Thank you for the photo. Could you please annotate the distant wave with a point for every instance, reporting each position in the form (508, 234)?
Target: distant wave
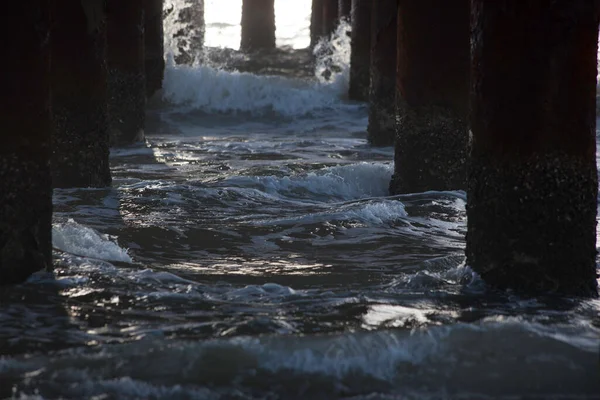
(212, 90)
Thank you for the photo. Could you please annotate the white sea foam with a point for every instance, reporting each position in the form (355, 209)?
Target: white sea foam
(209, 89)
(81, 240)
(333, 58)
(345, 182)
(375, 213)
(380, 213)
(268, 290)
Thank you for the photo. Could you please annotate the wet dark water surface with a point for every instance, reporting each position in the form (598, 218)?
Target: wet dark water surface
(250, 250)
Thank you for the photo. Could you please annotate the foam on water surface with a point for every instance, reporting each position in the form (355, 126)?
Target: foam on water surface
(81, 240)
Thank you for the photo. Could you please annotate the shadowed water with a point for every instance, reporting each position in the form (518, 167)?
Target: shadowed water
(250, 250)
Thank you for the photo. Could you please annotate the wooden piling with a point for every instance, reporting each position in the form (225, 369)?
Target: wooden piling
(25, 187)
(344, 9)
(432, 95)
(79, 94)
(360, 59)
(532, 194)
(330, 17)
(381, 130)
(258, 25)
(154, 46)
(126, 71)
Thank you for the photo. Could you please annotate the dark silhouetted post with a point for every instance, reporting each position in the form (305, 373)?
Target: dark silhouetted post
(532, 193)
(361, 50)
(382, 96)
(432, 95)
(330, 17)
(79, 94)
(344, 9)
(154, 48)
(316, 22)
(25, 190)
(126, 75)
(258, 25)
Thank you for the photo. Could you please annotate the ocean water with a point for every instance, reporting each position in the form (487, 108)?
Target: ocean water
(250, 250)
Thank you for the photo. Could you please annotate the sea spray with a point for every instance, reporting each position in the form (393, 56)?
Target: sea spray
(214, 90)
(184, 28)
(209, 84)
(333, 58)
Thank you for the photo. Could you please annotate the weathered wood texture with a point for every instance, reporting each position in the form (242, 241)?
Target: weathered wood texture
(25, 188)
(432, 95)
(330, 16)
(79, 94)
(381, 130)
(154, 46)
(532, 194)
(344, 9)
(361, 50)
(126, 71)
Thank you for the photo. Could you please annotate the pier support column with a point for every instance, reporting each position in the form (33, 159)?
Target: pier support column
(316, 22)
(361, 50)
(344, 9)
(382, 95)
(330, 17)
(79, 94)
(532, 194)
(25, 189)
(258, 25)
(432, 96)
(126, 71)
(154, 46)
